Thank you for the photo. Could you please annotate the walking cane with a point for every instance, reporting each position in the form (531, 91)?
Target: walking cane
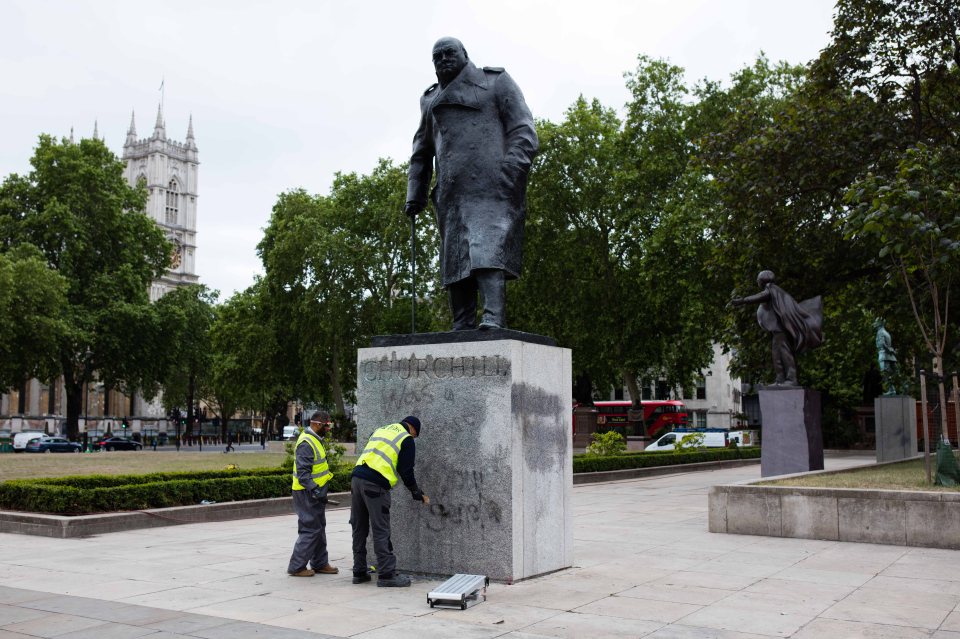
(413, 274)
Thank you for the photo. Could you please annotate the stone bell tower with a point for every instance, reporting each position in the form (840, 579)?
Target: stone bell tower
(169, 171)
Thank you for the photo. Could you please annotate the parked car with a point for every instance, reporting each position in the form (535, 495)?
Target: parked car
(20, 439)
(118, 443)
(46, 444)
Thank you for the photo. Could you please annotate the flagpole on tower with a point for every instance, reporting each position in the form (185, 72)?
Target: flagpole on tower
(162, 82)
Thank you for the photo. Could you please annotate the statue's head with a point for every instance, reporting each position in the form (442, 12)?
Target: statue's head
(766, 277)
(449, 58)
(879, 323)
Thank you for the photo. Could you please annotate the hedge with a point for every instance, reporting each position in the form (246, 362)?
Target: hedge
(105, 493)
(111, 493)
(593, 463)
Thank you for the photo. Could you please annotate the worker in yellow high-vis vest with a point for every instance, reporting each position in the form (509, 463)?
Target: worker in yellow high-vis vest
(389, 456)
(311, 476)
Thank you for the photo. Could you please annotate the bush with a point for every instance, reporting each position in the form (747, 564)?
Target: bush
(608, 443)
(690, 441)
(593, 463)
(104, 493)
(333, 449)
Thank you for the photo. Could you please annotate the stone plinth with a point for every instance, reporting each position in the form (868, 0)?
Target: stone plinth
(495, 454)
(896, 427)
(792, 438)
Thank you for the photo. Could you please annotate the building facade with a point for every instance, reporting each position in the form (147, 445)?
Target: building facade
(715, 401)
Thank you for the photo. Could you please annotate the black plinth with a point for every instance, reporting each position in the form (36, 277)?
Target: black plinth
(792, 441)
(453, 337)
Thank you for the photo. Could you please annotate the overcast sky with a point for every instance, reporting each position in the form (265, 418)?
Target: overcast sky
(284, 94)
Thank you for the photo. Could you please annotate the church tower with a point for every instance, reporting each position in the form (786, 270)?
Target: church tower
(169, 171)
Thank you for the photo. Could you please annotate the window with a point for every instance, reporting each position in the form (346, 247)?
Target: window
(702, 388)
(663, 391)
(701, 419)
(173, 202)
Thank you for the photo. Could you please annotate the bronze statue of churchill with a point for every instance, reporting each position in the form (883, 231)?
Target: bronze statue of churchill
(476, 127)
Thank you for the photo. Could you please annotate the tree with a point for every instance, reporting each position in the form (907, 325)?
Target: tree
(576, 283)
(915, 216)
(338, 272)
(186, 316)
(614, 248)
(783, 153)
(247, 365)
(76, 207)
(312, 294)
(904, 55)
(32, 297)
(785, 157)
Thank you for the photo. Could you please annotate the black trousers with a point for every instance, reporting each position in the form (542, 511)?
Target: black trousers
(370, 510)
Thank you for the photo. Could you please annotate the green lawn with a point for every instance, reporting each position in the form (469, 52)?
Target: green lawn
(908, 475)
(31, 465)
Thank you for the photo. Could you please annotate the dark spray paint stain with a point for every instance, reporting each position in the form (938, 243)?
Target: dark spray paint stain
(544, 435)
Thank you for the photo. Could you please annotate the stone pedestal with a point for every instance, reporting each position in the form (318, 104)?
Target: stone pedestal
(896, 427)
(792, 438)
(495, 454)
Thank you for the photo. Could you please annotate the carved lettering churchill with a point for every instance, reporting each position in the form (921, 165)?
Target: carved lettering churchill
(429, 367)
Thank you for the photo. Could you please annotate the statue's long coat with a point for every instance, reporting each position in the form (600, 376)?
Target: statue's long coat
(802, 322)
(482, 135)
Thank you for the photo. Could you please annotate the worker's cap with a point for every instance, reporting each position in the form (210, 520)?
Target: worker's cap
(412, 421)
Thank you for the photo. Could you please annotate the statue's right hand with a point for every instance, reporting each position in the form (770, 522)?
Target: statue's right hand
(412, 208)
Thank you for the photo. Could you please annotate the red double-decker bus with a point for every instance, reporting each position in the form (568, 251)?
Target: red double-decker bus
(658, 416)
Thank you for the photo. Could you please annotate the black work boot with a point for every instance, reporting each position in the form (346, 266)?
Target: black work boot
(393, 581)
(361, 577)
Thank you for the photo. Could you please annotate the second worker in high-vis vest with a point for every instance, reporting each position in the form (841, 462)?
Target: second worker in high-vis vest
(311, 475)
(389, 456)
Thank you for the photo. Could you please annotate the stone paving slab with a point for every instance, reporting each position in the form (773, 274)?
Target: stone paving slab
(645, 566)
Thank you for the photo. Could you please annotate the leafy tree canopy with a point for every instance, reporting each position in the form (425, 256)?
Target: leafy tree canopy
(76, 207)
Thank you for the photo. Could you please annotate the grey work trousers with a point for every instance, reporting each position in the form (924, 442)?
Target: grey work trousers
(311, 546)
(370, 509)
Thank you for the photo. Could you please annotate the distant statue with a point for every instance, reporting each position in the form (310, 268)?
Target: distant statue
(795, 328)
(886, 358)
(476, 128)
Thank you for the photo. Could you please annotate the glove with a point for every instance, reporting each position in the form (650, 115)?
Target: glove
(417, 495)
(317, 494)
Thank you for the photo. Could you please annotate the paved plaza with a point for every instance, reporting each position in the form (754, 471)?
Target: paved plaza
(645, 566)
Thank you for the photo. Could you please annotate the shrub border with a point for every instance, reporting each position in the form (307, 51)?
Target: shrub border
(89, 494)
(593, 464)
(109, 494)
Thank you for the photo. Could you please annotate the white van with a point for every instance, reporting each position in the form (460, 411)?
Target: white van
(711, 439)
(290, 432)
(20, 439)
(743, 437)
